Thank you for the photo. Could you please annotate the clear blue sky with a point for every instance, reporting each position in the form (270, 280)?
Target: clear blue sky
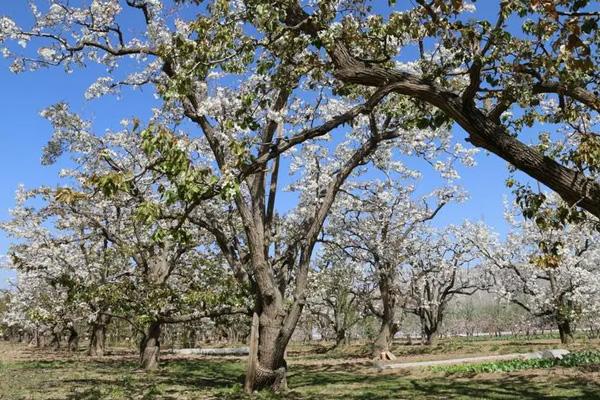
(23, 133)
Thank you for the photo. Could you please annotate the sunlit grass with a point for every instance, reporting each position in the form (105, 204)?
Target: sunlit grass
(117, 377)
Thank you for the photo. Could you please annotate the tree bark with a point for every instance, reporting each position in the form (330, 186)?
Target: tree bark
(35, 339)
(73, 342)
(429, 328)
(428, 337)
(271, 370)
(190, 338)
(55, 343)
(384, 338)
(341, 338)
(566, 332)
(388, 328)
(97, 345)
(252, 356)
(150, 347)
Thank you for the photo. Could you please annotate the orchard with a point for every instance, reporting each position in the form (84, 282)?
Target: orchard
(252, 198)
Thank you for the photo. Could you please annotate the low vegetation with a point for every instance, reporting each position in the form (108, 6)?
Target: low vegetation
(27, 373)
(577, 359)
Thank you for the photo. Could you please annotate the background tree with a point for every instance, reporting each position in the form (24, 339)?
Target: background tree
(545, 267)
(336, 287)
(375, 228)
(439, 269)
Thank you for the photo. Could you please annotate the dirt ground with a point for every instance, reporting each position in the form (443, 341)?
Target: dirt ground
(29, 373)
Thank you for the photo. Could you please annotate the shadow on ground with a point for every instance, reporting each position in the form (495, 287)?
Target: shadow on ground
(213, 378)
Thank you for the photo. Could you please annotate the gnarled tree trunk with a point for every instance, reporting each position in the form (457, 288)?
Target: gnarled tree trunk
(97, 345)
(429, 326)
(428, 336)
(385, 337)
(150, 347)
(271, 369)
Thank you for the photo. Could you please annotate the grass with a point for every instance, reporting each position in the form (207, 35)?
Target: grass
(28, 374)
(576, 359)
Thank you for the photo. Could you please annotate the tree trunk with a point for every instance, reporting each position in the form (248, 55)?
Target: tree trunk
(428, 331)
(97, 345)
(252, 356)
(55, 343)
(341, 338)
(73, 342)
(150, 347)
(388, 329)
(35, 339)
(271, 368)
(566, 333)
(428, 338)
(384, 338)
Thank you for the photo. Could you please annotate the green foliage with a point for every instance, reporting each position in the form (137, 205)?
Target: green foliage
(68, 195)
(189, 183)
(546, 216)
(577, 359)
(112, 183)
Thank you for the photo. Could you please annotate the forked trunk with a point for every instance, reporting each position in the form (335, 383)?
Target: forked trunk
(97, 345)
(150, 347)
(428, 331)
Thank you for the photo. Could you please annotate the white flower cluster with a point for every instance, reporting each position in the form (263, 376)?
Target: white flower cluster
(104, 12)
(103, 85)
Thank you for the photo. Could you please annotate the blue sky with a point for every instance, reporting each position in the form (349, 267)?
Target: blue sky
(23, 133)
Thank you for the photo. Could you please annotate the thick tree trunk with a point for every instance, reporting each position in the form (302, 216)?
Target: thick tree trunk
(73, 342)
(428, 332)
(566, 333)
(271, 368)
(150, 347)
(384, 338)
(428, 338)
(97, 345)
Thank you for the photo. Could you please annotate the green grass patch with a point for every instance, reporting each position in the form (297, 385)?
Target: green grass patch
(577, 359)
